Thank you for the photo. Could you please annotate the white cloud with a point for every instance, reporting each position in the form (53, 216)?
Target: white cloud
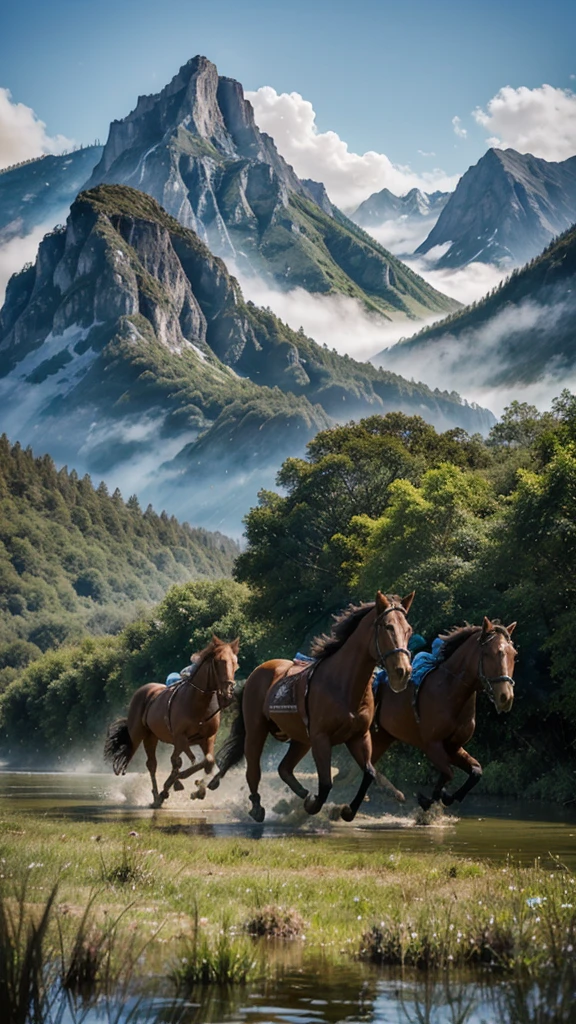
(18, 251)
(22, 134)
(403, 234)
(467, 284)
(338, 321)
(349, 177)
(540, 121)
(423, 152)
(458, 129)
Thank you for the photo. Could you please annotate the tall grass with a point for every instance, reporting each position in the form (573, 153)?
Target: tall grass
(224, 960)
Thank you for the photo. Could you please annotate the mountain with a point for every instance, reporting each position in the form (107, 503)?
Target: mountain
(195, 147)
(75, 559)
(384, 205)
(39, 192)
(128, 350)
(505, 210)
(520, 332)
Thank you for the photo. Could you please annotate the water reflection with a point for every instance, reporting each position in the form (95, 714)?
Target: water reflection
(484, 829)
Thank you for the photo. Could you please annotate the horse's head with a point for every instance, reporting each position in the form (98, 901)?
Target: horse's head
(224, 664)
(392, 632)
(496, 663)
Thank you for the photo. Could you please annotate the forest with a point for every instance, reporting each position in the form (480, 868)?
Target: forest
(476, 526)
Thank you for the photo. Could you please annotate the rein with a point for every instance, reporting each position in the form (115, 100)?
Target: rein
(395, 650)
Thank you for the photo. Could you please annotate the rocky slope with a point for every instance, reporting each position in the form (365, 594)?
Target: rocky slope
(196, 148)
(523, 331)
(39, 192)
(414, 206)
(505, 210)
(128, 346)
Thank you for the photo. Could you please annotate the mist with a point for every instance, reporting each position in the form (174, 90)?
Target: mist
(472, 362)
(18, 251)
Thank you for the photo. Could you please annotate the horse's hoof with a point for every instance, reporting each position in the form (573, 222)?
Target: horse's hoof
(156, 803)
(257, 813)
(347, 814)
(424, 801)
(447, 798)
(214, 784)
(399, 796)
(178, 786)
(312, 804)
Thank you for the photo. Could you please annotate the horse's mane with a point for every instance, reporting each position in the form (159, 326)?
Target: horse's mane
(344, 625)
(455, 637)
(199, 656)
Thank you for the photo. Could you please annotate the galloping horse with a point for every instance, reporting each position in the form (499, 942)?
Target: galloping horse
(441, 717)
(324, 704)
(184, 714)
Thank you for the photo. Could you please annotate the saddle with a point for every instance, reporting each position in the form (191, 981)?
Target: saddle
(289, 694)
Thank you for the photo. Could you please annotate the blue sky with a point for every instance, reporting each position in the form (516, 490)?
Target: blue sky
(384, 76)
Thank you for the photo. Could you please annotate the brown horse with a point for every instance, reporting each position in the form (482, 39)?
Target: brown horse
(327, 703)
(442, 717)
(183, 714)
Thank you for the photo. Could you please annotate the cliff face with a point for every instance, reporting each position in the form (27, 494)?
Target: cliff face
(196, 148)
(129, 340)
(505, 210)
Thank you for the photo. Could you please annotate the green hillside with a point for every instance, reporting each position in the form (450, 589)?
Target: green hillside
(75, 559)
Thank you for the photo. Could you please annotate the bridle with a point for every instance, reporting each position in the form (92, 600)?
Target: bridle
(220, 691)
(395, 650)
(187, 680)
(489, 681)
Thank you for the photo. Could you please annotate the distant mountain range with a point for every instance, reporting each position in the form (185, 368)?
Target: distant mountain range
(505, 210)
(522, 331)
(384, 205)
(39, 192)
(128, 350)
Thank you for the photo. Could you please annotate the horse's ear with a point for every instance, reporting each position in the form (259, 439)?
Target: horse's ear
(510, 629)
(407, 601)
(382, 601)
(487, 626)
(235, 645)
(216, 640)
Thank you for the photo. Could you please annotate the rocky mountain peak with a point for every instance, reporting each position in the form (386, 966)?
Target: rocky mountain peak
(505, 210)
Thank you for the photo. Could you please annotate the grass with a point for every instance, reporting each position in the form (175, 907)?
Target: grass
(384, 906)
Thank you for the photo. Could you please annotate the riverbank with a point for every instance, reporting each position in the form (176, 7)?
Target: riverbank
(165, 884)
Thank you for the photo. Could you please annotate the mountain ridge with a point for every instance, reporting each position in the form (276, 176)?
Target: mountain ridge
(505, 209)
(538, 335)
(129, 336)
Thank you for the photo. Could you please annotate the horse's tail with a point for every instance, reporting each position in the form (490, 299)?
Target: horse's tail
(232, 750)
(118, 748)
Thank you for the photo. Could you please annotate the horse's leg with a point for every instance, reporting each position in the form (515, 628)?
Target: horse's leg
(176, 762)
(361, 749)
(438, 755)
(322, 753)
(253, 747)
(381, 741)
(207, 745)
(150, 744)
(296, 751)
(462, 759)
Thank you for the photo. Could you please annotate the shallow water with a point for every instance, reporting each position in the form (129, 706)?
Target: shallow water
(320, 993)
(487, 829)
